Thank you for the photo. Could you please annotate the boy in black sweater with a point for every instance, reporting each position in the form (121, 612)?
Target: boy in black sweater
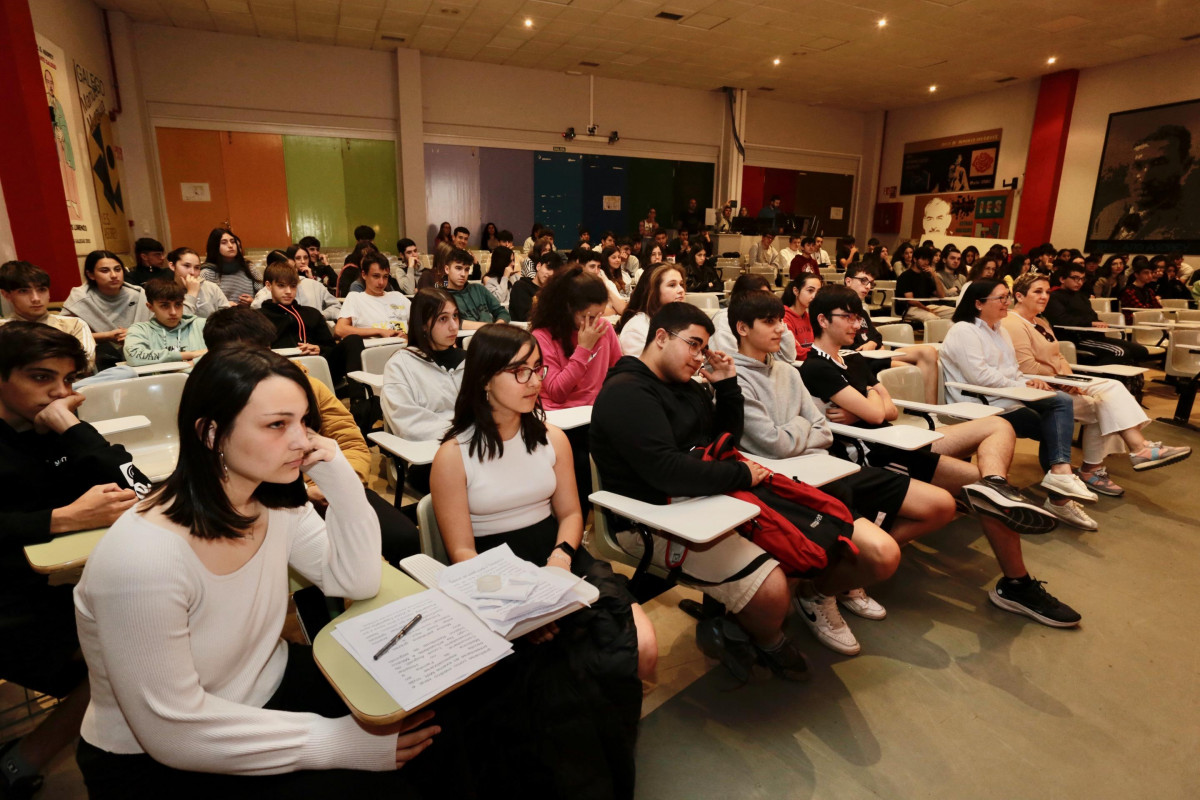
(646, 419)
(59, 476)
(1070, 305)
(303, 327)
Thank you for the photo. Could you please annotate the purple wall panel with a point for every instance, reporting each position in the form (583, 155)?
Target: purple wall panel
(505, 192)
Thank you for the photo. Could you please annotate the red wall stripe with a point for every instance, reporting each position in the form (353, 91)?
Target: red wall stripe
(1044, 163)
(33, 189)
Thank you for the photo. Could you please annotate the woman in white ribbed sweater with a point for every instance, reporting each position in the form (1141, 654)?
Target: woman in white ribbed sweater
(182, 603)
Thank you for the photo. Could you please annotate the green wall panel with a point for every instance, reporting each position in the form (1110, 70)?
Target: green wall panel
(316, 189)
(369, 166)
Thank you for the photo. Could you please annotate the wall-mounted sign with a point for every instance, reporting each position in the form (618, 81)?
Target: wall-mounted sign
(983, 215)
(195, 192)
(612, 202)
(65, 119)
(951, 164)
(104, 155)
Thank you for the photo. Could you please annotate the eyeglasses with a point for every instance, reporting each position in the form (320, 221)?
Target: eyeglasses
(1002, 299)
(867, 282)
(855, 321)
(696, 348)
(523, 373)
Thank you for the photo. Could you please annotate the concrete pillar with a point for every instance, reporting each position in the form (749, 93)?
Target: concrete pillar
(410, 146)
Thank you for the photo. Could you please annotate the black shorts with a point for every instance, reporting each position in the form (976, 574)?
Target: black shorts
(920, 465)
(41, 646)
(874, 494)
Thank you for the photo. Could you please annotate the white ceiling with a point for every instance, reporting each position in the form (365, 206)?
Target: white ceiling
(832, 52)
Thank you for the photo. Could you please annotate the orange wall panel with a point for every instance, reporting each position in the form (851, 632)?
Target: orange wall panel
(257, 188)
(192, 156)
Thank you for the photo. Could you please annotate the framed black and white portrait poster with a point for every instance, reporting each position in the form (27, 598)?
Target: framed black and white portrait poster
(1147, 197)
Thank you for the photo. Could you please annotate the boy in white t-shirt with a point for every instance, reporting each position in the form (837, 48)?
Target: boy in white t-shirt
(375, 311)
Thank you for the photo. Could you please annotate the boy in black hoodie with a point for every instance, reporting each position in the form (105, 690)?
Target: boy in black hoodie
(303, 327)
(59, 476)
(646, 419)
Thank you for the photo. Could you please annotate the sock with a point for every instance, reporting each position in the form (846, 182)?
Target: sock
(1021, 581)
(996, 478)
(776, 647)
(13, 765)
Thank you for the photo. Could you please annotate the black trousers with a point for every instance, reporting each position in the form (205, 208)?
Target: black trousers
(110, 776)
(1099, 351)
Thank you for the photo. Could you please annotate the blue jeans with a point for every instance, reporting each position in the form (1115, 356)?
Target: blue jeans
(1050, 423)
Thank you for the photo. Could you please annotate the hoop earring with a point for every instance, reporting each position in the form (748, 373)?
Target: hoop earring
(224, 469)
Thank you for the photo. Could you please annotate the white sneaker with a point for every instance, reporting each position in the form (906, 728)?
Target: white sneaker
(1068, 486)
(857, 602)
(1073, 514)
(821, 615)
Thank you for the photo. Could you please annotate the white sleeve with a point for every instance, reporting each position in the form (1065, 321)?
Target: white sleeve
(633, 335)
(341, 553)
(348, 305)
(263, 295)
(139, 594)
(969, 355)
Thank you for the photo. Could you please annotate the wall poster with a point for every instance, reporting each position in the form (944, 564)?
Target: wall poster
(104, 158)
(65, 119)
(982, 215)
(1147, 197)
(961, 163)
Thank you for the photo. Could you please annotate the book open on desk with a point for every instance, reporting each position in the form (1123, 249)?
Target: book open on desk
(468, 616)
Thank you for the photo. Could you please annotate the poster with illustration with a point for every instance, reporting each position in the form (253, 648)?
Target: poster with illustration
(966, 162)
(65, 120)
(1147, 197)
(104, 158)
(983, 215)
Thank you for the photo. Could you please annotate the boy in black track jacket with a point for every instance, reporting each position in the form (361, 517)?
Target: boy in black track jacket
(59, 475)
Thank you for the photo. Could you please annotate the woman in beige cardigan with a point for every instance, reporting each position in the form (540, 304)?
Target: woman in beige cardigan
(1112, 419)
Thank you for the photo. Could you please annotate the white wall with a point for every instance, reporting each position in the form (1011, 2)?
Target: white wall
(1011, 109)
(217, 78)
(1150, 81)
(502, 106)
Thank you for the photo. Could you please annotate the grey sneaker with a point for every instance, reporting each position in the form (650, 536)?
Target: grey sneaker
(1156, 454)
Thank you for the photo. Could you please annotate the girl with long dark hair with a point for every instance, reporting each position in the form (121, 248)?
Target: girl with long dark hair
(225, 265)
(107, 304)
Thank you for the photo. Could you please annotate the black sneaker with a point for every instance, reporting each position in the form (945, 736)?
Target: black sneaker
(1030, 599)
(723, 639)
(787, 662)
(998, 498)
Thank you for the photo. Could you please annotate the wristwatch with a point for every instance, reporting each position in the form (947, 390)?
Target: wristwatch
(566, 548)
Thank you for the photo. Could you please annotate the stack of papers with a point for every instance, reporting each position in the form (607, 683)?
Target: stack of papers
(504, 590)
(445, 647)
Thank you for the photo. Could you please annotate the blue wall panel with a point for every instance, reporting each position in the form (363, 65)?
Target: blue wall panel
(605, 176)
(558, 194)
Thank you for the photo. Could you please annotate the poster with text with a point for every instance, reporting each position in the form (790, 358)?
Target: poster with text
(966, 162)
(1147, 197)
(982, 215)
(65, 121)
(104, 158)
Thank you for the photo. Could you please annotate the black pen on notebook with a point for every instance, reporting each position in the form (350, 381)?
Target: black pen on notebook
(397, 637)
